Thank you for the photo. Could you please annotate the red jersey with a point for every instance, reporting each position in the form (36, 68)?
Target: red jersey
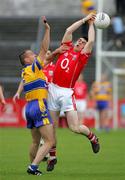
(48, 71)
(80, 90)
(68, 67)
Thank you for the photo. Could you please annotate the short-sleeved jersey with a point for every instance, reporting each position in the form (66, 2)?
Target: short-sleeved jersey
(102, 91)
(34, 80)
(68, 67)
(48, 71)
(80, 90)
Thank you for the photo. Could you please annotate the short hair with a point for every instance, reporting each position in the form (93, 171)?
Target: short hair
(21, 57)
(86, 38)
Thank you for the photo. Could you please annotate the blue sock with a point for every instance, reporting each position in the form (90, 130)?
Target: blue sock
(34, 167)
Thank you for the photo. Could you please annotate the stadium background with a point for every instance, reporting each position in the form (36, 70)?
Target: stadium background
(20, 29)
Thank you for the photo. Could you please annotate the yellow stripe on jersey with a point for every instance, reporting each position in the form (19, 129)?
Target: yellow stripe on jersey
(102, 90)
(36, 94)
(34, 81)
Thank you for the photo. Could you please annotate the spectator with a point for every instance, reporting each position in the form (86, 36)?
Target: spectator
(49, 68)
(118, 29)
(102, 94)
(80, 91)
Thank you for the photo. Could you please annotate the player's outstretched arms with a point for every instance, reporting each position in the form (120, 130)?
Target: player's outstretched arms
(91, 37)
(46, 39)
(68, 34)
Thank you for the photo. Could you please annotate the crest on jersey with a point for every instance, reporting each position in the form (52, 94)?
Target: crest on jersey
(50, 73)
(74, 57)
(66, 54)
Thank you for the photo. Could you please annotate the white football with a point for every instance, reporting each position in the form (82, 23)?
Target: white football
(102, 20)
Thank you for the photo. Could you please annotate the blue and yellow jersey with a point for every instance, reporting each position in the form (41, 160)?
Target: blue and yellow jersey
(34, 80)
(102, 91)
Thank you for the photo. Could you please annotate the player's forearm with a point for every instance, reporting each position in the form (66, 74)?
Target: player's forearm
(52, 56)
(46, 40)
(20, 88)
(75, 26)
(91, 33)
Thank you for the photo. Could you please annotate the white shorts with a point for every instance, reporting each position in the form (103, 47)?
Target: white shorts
(60, 99)
(81, 105)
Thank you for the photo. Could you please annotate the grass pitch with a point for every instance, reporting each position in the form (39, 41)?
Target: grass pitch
(76, 161)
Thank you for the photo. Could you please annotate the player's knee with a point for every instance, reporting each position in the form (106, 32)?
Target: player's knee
(51, 141)
(74, 128)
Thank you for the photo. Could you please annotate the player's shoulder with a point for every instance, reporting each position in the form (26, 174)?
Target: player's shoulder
(105, 83)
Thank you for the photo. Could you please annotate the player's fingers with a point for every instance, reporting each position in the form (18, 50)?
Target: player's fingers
(16, 97)
(44, 19)
(92, 15)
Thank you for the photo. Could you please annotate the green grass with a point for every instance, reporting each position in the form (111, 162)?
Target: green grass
(75, 158)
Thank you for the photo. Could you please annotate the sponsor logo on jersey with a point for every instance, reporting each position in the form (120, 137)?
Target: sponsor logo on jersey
(66, 54)
(74, 57)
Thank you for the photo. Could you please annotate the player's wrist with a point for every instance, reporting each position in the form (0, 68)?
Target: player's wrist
(83, 21)
(18, 94)
(57, 51)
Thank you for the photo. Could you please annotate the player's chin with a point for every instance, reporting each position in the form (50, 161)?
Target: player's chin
(77, 48)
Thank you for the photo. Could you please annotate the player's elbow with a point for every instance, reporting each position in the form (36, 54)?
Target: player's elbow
(91, 43)
(68, 31)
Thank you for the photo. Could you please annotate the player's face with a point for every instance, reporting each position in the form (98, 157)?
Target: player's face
(29, 57)
(80, 43)
(104, 77)
(48, 53)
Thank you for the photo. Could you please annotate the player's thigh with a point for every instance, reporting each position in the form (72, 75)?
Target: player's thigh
(55, 117)
(53, 98)
(72, 119)
(68, 101)
(80, 115)
(35, 135)
(81, 105)
(105, 113)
